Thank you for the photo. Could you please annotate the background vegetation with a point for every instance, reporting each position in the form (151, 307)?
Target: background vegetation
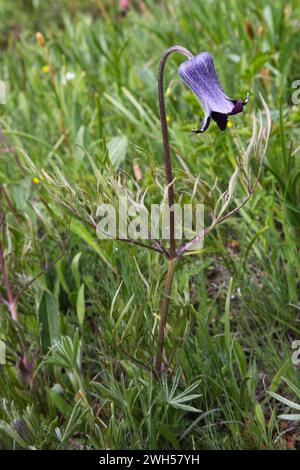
(91, 90)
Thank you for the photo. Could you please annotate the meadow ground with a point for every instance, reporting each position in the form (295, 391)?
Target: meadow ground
(82, 107)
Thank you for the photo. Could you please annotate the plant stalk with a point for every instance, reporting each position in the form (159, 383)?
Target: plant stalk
(163, 316)
(171, 200)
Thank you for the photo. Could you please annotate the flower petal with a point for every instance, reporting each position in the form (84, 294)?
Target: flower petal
(220, 119)
(204, 126)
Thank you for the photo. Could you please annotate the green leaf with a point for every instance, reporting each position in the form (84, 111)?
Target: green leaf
(285, 401)
(291, 417)
(61, 276)
(292, 386)
(79, 153)
(260, 417)
(75, 269)
(117, 148)
(49, 318)
(277, 377)
(122, 314)
(80, 305)
(76, 418)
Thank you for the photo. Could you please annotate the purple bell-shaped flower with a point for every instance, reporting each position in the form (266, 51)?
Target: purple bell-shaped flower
(200, 75)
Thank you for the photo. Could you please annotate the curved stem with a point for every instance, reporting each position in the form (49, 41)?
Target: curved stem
(165, 138)
(169, 180)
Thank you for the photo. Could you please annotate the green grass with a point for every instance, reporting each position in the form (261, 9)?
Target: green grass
(234, 307)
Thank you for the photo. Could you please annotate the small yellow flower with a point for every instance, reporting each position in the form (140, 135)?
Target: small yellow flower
(229, 124)
(46, 68)
(40, 39)
(35, 180)
(168, 118)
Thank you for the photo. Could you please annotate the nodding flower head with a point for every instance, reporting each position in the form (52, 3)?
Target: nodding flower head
(200, 75)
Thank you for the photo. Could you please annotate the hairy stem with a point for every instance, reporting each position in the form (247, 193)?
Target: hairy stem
(163, 317)
(165, 138)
